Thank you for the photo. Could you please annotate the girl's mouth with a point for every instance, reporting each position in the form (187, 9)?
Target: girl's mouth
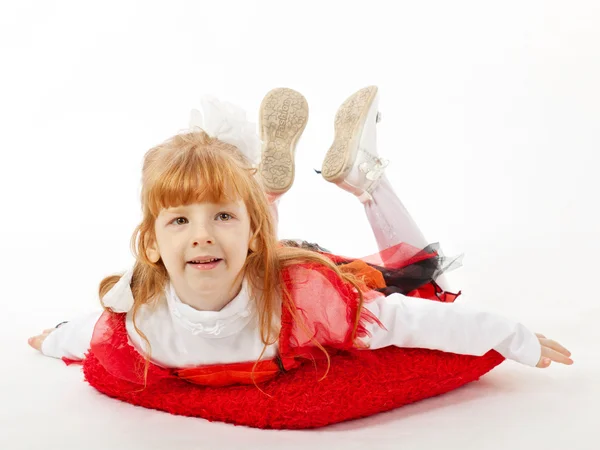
(205, 265)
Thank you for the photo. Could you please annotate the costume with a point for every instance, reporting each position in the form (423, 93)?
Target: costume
(289, 374)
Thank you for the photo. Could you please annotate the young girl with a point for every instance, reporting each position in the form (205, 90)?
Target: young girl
(215, 299)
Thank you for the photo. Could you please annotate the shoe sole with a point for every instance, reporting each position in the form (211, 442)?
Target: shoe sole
(349, 121)
(282, 119)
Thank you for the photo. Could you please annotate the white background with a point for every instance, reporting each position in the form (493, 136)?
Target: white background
(490, 120)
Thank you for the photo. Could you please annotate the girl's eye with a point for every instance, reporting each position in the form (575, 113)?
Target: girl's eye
(221, 216)
(177, 221)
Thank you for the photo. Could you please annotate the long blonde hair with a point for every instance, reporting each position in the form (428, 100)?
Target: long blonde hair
(194, 167)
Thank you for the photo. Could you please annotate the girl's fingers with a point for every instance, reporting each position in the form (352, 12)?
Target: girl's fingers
(36, 342)
(544, 362)
(547, 352)
(555, 346)
(541, 336)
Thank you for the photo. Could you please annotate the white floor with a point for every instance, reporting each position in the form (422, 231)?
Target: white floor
(48, 405)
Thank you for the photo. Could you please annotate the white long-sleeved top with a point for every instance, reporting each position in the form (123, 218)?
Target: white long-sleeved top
(181, 336)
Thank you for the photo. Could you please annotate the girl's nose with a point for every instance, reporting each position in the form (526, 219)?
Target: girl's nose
(199, 242)
(203, 236)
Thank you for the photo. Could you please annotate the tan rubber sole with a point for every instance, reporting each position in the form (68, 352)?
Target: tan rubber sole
(282, 119)
(349, 121)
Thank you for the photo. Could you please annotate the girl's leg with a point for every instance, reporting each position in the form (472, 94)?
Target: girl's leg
(274, 208)
(353, 164)
(392, 224)
(390, 220)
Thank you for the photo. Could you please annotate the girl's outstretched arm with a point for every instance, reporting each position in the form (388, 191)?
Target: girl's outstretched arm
(417, 323)
(70, 340)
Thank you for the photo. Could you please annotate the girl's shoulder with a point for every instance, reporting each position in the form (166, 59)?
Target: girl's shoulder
(309, 268)
(323, 309)
(316, 286)
(315, 277)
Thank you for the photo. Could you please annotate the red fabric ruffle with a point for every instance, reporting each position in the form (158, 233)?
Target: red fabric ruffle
(320, 309)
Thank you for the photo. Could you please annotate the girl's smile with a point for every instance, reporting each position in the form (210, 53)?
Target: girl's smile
(209, 265)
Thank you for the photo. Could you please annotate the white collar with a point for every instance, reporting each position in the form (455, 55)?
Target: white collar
(212, 324)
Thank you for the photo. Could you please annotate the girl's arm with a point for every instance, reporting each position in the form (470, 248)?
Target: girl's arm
(70, 340)
(450, 327)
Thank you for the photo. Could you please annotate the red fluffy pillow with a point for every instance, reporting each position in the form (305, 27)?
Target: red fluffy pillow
(359, 384)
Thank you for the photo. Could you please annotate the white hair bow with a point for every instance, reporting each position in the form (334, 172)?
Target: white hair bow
(228, 123)
(120, 297)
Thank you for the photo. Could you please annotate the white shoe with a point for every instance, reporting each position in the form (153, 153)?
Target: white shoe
(282, 119)
(352, 161)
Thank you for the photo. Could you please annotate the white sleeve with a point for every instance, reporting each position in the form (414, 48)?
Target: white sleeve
(450, 327)
(72, 339)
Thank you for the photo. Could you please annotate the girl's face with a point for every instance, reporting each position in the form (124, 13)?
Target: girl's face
(188, 235)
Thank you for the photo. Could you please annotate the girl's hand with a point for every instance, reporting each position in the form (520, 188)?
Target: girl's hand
(36, 341)
(552, 351)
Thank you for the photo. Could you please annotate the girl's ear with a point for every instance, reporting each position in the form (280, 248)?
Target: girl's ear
(152, 252)
(252, 245)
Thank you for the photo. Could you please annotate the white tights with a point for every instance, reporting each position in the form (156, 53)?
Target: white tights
(389, 219)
